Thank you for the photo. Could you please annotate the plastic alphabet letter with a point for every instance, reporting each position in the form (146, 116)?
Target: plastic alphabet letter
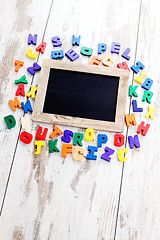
(10, 121)
(151, 112)
(18, 65)
(21, 80)
(86, 51)
(119, 140)
(32, 92)
(56, 131)
(147, 96)
(102, 138)
(135, 108)
(140, 78)
(143, 129)
(105, 156)
(32, 39)
(39, 144)
(39, 134)
(91, 155)
(41, 47)
(57, 54)
(101, 47)
(66, 138)
(26, 137)
(25, 122)
(52, 146)
(120, 154)
(130, 119)
(95, 60)
(78, 137)
(89, 134)
(76, 40)
(125, 54)
(132, 91)
(66, 148)
(134, 141)
(56, 41)
(138, 66)
(27, 106)
(35, 67)
(14, 104)
(147, 83)
(30, 54)
(72, 55)
(115, 47)
(78, 154)
(123, 65)
(108, 61)
(20, 90)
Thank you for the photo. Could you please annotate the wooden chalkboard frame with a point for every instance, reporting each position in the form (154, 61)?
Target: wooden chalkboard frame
(116, 126)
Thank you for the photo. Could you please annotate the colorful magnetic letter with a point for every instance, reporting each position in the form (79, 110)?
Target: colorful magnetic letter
(52, 146)
(39, 144)
(147, 96)
(14, 104)
(66, 138)
(151, 112)
(18, 64)
(26, 137)
(102, 138)
(32, 39)
(25, 122)
(147, 83)
(30, 54)
(140, 78)
(10, 121)
(21, 80)
(101, 47)
(75, 40)
(120, 154)
(108, 61)
(105, 156)
(40, 135)
(132, 91)
(115, 47)
(41, 47)
(20, 90)
(27, 106)
(78, 137)
(56, 41)
(57, 54)
(123, 65)
(35, 67)
(135, 108)
(138, 66)
(32, 92)
(134, 141)
(143, 129)
(89, 134)
(78, 154)
(66, 148)
(72, 55)
(91, 155)
(119, 140)
(56, 131)
(125, 54)
(130, 119)
(86, 51)
(95, 60)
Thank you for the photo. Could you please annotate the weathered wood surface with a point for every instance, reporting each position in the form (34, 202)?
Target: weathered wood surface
(46, 196)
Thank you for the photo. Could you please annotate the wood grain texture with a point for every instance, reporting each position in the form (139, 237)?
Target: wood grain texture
(49, 197)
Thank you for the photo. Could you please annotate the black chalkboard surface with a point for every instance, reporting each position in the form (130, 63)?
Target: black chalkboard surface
(80, 95)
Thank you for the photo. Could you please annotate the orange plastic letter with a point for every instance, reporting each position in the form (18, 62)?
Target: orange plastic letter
(18, 64)
(14, 104)
(66, 148)
(130, 119)
(56, 131)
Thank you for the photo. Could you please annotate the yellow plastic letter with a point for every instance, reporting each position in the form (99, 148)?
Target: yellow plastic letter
(120, 154)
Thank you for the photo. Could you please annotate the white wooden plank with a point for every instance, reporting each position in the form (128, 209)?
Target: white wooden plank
(139, 205)
(50, 197)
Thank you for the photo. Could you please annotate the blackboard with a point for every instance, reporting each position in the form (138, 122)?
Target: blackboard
(80, 95)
